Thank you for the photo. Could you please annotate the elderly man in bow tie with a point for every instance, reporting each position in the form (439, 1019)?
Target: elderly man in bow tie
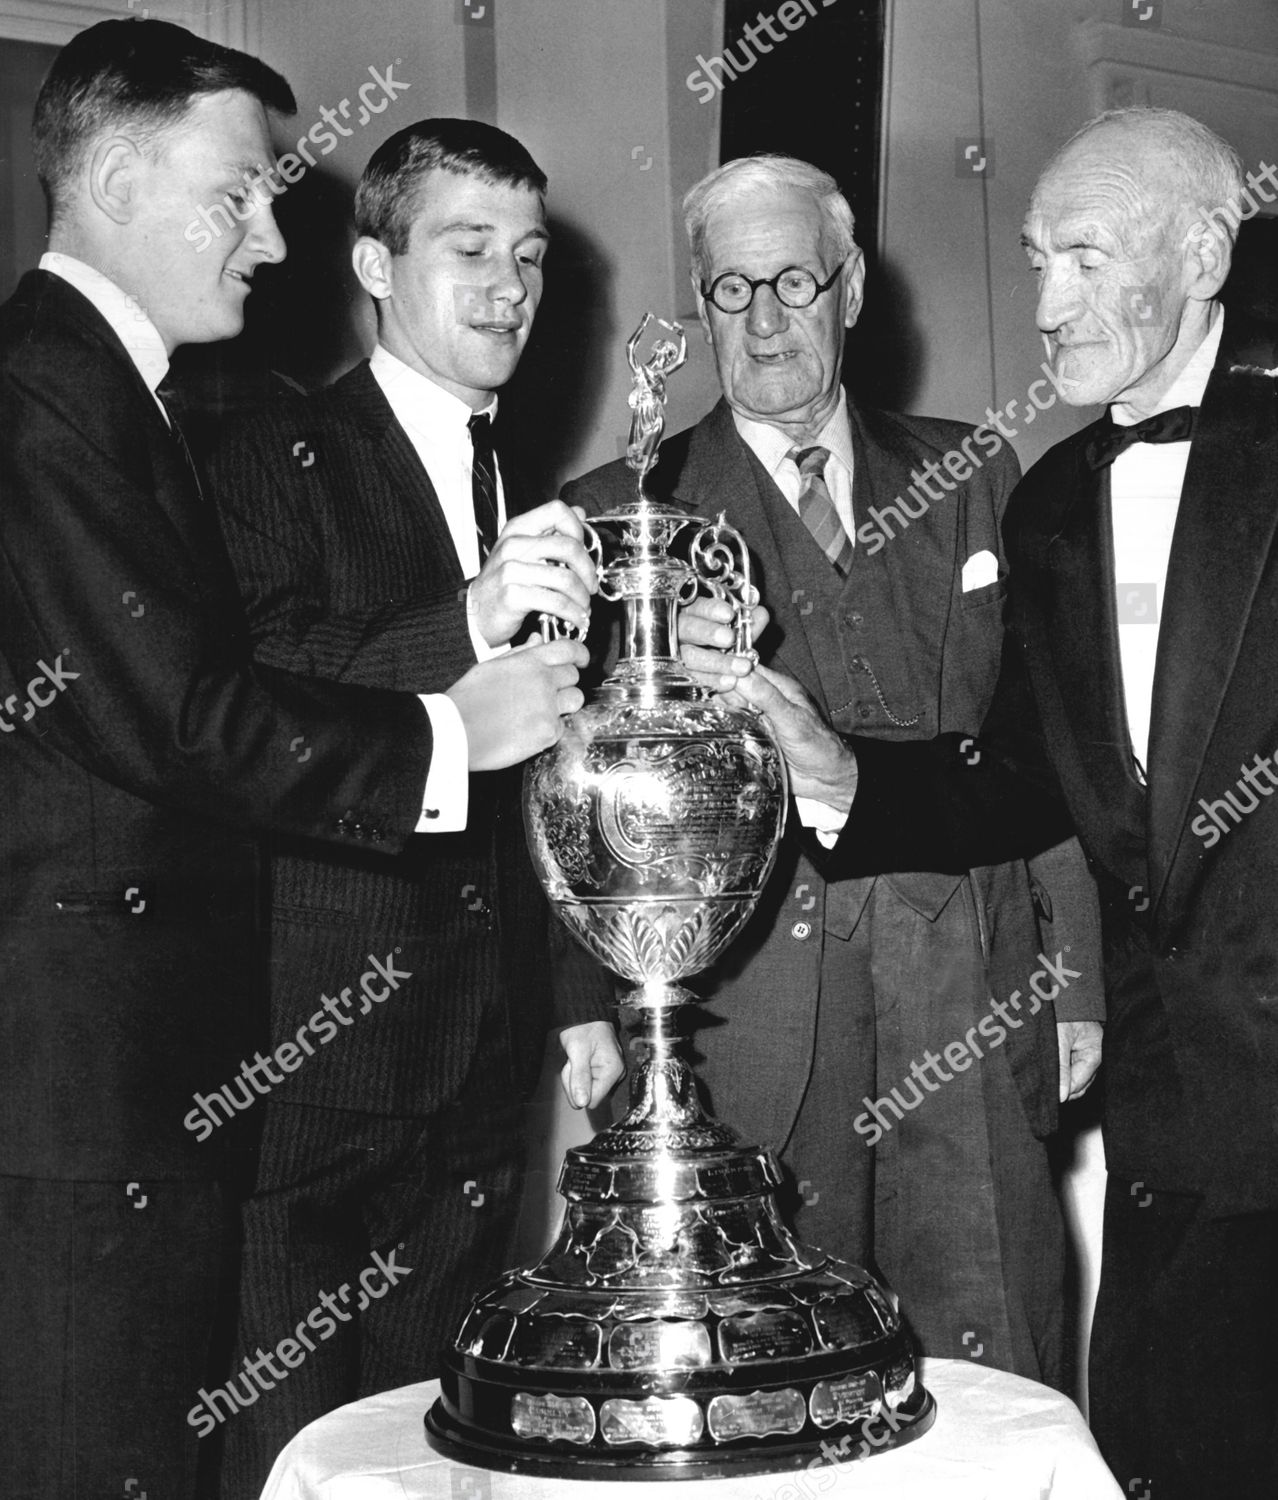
(1144, 597)
(831, 1016)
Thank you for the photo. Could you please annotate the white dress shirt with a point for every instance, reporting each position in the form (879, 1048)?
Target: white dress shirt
(772, 448)
(1145, 485)
(435, 421)
(128, 319)
(444, 799)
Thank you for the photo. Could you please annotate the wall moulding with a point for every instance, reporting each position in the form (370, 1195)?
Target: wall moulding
(1229, 82)
(1129, 65)
(235, 23)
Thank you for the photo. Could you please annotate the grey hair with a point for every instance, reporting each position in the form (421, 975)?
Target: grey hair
(1209, 167)
(765, 174)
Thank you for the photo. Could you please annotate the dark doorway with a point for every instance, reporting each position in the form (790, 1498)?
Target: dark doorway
(816, 95)
(22, 213)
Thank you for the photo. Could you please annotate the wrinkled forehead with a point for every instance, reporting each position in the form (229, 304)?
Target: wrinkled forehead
(1106, 189)
(751, 230)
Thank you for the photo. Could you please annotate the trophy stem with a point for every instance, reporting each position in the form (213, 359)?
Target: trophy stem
(663, 1091)
(651, 630)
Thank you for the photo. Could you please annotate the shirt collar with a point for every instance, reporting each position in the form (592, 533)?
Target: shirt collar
(771, 446)
(129, 322)
(411, 392)
(1190, 385)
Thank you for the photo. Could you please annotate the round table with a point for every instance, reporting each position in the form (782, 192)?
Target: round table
(997, 1437)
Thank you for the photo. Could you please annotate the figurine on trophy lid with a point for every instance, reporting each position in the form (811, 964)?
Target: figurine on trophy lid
(675, 1328)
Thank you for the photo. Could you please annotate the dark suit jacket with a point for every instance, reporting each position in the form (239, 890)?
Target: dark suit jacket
(1189, 899)
(933, 651)
(349, 572)
(128, 920)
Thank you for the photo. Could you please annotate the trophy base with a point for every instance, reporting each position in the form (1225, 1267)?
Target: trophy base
(676, 1328)
(455, 1438)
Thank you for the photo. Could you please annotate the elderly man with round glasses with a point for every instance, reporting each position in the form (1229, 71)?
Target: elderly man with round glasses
(850, 1027)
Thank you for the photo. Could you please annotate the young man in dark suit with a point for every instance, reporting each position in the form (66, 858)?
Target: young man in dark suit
(830, 1004)
(142, 750)
(1157, 728)
(379, 540)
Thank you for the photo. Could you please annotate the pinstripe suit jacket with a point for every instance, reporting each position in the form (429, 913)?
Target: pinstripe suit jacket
(349, 573)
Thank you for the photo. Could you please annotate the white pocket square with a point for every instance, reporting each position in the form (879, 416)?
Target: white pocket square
(981, 568)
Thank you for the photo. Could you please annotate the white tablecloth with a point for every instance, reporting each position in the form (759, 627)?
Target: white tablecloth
(996, 1437)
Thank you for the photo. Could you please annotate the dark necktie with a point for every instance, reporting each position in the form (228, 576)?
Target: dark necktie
(816, 508)
(170, 401)
(483, 482)
(1174, 426)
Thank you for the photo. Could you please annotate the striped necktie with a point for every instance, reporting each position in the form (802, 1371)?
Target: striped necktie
(483, 482)
(816, 508)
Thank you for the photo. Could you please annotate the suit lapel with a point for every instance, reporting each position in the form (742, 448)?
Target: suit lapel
(1225, 533)
(175, 490)
(885, 470)
(518, 491)
(1065, 608)
(359, 398)
(913, 573)
(721, 474)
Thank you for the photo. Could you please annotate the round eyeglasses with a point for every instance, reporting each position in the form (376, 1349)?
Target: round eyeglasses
(794, 287)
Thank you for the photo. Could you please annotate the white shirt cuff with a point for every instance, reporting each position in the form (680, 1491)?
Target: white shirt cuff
(445, 801)
(483, 651)
(825, 821)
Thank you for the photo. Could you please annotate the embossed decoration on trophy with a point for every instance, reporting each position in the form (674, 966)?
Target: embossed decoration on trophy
(675, 1328)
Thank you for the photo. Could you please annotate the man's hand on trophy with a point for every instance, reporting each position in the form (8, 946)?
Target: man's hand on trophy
(514, 705)
(821, 765)
(594, 1063)
(705, 642)
(537, 566)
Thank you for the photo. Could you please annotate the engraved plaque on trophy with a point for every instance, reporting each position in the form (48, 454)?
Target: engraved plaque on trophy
(675, 1328)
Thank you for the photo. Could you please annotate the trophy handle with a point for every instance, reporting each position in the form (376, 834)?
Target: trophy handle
(552, 627)
(722, 562)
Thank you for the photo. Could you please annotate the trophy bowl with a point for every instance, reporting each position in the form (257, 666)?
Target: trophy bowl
(675, 1328)
(652, 827)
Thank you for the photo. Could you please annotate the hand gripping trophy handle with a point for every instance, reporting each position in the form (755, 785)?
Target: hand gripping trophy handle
(722, 559)
(718, 558)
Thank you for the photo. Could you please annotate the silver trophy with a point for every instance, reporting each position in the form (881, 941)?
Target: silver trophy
(675, 1328)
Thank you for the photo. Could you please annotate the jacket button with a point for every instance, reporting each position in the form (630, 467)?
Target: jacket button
(855, 618)
(864, 711)
(801, 930)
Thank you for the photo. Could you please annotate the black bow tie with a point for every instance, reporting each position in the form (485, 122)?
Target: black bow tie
(1109, 440)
